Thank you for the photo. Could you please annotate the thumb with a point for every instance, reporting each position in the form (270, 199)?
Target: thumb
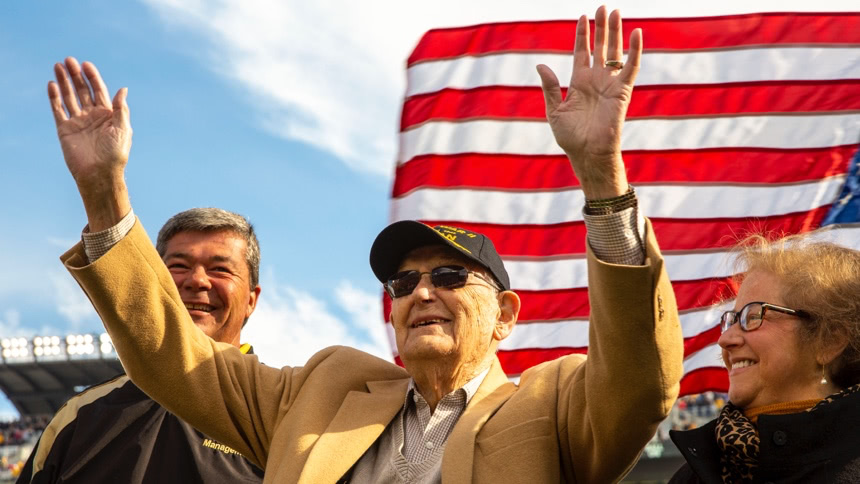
(551, 89)
(120, 107)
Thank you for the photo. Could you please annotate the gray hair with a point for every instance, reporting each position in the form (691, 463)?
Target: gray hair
(210, 219)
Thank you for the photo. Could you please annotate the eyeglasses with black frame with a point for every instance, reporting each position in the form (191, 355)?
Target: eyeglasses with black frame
(448, 277)
(752, 314)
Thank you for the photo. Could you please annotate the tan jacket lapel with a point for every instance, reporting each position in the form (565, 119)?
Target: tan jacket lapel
(460, 449)
(360, 420)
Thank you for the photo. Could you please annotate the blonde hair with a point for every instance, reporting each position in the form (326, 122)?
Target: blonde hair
(820, 278)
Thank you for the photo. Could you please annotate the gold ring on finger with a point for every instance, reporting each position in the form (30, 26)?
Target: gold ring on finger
(614, 63)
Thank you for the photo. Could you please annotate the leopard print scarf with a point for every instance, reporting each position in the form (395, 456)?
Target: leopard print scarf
(739, 444)
(738, 439)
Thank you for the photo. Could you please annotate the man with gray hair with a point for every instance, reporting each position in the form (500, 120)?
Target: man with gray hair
(113, 432)
(214, 226)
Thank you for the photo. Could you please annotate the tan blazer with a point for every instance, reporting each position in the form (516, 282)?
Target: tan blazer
(569, 420)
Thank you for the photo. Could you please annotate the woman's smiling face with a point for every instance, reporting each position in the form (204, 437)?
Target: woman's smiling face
(771, 364)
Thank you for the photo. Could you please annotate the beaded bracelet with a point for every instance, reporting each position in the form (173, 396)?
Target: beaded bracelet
(612, 205)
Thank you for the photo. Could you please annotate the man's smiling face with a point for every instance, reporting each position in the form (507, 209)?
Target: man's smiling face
(212, 275)
(454, 325)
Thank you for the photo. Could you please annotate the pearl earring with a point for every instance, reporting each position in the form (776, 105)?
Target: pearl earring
(823, 375)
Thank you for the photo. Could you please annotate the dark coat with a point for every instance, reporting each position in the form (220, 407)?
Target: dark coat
(115, 433)
(819, 446)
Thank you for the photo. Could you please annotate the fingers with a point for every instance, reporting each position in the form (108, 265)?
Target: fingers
(56, 102)
(73, 90)
(616, 41)
(68, 93)
(100, 92)
(81, 86)
(634, 58)
(550, 86)
(120, 107)
(582, 45)
(600, 37)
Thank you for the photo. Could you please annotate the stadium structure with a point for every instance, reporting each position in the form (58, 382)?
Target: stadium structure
(39, 374)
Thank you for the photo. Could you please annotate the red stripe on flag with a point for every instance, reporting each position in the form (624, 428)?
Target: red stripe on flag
(529, 240)
(701, 340)
(553, 305)
(514, 362)
(718, 165)
(538, 306)
(715, 233)
(661, 34)
(517, 361)
(703, 293)
(648, 101)
(674, 234)
(711, 379)
(566, 304)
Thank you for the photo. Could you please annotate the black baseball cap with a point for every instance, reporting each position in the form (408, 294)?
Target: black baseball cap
(400, 238)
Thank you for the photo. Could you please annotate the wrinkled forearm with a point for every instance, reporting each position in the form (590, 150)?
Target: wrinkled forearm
(105, 200)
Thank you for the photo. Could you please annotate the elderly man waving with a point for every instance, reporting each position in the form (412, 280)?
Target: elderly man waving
(451, 415)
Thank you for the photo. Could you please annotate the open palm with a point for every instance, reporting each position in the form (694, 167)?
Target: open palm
(94, 133)
(587, 123)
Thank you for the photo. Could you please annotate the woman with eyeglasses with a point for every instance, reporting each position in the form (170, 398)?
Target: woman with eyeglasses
(792, 349)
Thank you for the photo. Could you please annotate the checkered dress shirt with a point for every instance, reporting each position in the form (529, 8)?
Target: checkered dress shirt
(97, 244)
(617, 238)
(424, 432)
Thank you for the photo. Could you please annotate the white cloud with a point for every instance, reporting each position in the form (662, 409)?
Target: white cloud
(71, 301)
(10, 323)
(290, 325)
(12, 327)
(365, 309)
(331, 73)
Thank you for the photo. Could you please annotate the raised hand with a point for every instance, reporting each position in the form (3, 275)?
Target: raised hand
(95, 136)
(587, 123)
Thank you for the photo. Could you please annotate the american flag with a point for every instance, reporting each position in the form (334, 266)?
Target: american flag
(738, 123)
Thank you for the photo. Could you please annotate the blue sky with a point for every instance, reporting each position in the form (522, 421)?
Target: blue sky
(285, 112)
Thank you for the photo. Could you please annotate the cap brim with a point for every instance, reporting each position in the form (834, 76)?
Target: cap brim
(398, 239)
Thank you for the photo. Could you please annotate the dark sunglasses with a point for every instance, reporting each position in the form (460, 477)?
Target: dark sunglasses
(448, 277)
(751, 316)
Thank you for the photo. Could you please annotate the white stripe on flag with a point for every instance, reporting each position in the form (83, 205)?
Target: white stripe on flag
(700, 320)
(709, 67)
(535, 137)
(707, 357)
(573, 333)
(554, 274)
(392, 339)
(845, 235)
(658, 201)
